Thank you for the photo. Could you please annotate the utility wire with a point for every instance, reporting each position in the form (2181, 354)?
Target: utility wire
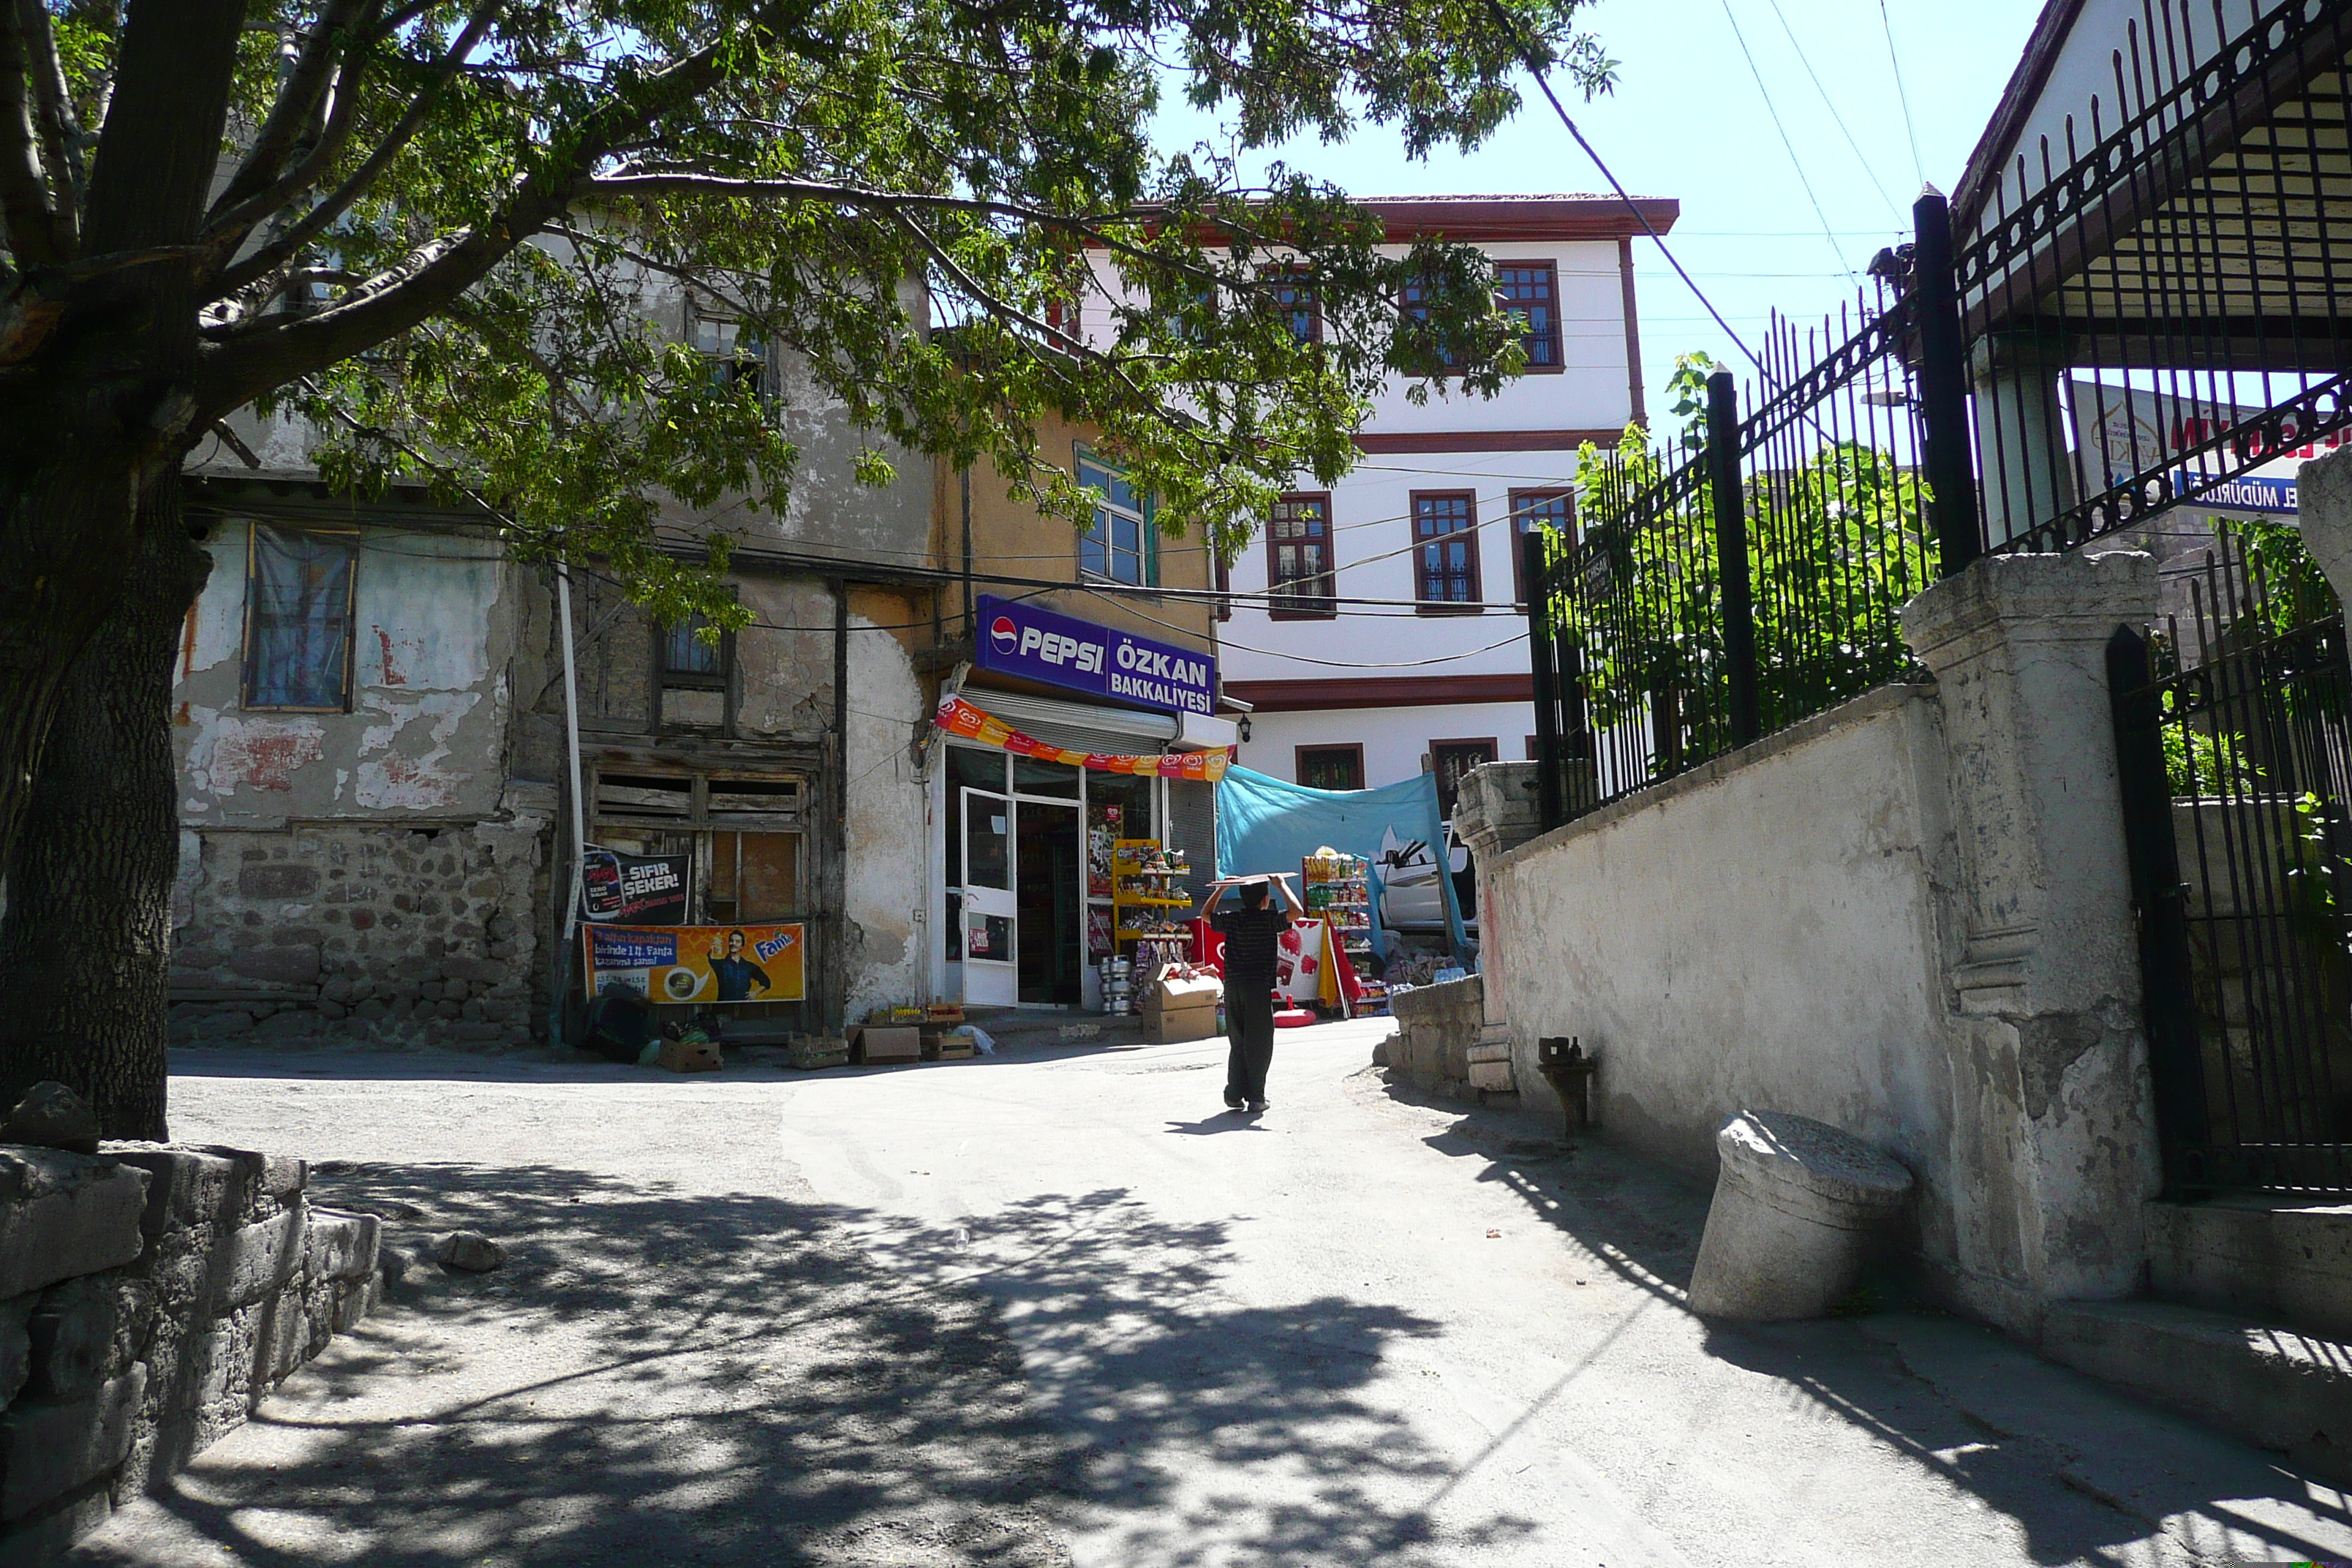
(1839, 119)
(1828, 236)
(1910, 129)
(1534, 63)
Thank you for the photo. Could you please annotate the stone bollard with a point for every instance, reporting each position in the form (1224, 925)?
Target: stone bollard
(1798, 1205)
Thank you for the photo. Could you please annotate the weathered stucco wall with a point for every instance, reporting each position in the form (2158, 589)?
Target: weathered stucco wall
(1767, 932)
(375, 876)
(884, 829)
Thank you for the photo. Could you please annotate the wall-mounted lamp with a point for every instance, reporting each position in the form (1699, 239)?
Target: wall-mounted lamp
(1244, 729)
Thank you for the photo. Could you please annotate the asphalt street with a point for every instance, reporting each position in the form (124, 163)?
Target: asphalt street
(1058, 1305)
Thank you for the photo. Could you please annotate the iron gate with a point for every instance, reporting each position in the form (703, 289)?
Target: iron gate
(2236, 772)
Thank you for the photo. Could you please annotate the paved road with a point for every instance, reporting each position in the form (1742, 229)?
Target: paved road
(1357, 1329)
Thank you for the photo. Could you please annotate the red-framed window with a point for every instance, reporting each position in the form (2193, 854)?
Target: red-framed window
(1529, 292)
(1335, 767)
(1445, 551)
(1299, 565)
(1530, 510)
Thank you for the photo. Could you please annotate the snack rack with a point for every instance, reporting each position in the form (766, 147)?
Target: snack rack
(1339, 888)
(1145, 893)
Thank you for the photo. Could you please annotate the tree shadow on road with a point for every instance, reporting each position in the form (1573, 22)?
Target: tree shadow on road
(2088, 1472)
(663, 1376)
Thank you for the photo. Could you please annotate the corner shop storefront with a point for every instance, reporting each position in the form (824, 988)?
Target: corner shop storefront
(1022, 910)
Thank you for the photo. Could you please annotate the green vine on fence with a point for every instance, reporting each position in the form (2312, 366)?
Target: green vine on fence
(1837, 544)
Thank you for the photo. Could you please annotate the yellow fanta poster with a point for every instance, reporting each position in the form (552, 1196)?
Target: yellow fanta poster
(700, 963)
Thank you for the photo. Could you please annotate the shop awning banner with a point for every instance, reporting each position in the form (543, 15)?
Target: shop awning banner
(966, 722)
(1266, 824)
(1038, 644)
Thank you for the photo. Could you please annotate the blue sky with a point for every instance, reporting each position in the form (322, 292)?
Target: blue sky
(1688, 120)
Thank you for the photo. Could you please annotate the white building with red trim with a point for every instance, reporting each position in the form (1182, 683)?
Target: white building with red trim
(1376, 632)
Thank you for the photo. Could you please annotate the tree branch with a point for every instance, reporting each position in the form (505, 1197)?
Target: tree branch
(258, 353)
(313, 223)
(61, 136)
(297, 109)
(24, 207)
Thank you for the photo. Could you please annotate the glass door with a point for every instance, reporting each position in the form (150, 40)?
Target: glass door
(991, 973)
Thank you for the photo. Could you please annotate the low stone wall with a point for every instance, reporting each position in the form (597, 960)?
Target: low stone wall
(358, 934)
(150, 1295)
(1436, 1027)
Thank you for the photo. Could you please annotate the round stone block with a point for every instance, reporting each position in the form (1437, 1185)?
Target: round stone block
(1799, 1207)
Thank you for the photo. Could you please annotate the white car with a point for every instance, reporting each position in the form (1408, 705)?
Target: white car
(1411, 898)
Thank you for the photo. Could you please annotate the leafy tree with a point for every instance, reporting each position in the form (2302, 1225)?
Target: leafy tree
(429, 226)
(1836, 545)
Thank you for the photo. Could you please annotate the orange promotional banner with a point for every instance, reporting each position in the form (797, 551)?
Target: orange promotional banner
(966, 722)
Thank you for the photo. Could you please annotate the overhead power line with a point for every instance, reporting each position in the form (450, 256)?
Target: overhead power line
(1839, 119)
(1828, 236)
(1902, 94)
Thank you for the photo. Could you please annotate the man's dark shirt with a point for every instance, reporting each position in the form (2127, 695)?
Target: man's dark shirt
(735, 976)
(1250, 936)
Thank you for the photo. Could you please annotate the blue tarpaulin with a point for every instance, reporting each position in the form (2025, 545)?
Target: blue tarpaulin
(1266, 824)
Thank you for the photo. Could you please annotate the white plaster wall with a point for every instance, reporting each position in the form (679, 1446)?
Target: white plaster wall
(887, 828)
(1372, 552)
(434, 628)
(1394, 739)
(1770, 933)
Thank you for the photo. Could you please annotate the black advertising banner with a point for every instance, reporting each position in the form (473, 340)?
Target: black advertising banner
(635, 890)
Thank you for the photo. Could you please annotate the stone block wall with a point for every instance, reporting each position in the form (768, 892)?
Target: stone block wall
(360, 933)
(150, 1295)
(1437, 1028)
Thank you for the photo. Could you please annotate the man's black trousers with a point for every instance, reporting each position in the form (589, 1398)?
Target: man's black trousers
(1249, 1027)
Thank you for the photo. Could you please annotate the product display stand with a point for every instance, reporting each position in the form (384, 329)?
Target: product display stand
(1338, 889)
(1146, 891)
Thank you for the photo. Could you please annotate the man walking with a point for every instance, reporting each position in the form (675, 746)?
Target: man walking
(1251, 933)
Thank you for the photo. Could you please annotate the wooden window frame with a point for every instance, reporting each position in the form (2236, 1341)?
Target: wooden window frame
(1521, 500)
(1298, 760)
(1493, 754)
(1423, 604)
(1147, 539)
(1554, 334)
(1312, 607)
(1301, 280)
(247, 648)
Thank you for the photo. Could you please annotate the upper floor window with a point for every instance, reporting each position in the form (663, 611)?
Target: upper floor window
(738, 354)
(1117, 542)
(1414, 302)
(1445, 551)
(694, 665)
(1292, 292)
(1529, 292)
(299, 590)
(1299, 564)
(1531, 510)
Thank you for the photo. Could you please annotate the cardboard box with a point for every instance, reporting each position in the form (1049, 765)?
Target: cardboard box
(1164, 1027)
(685, 1056)
(812, 1051)
(895, 1043)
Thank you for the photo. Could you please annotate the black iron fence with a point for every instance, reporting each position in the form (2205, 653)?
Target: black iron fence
(2137, 315)
(1738, 574)
(2235, 760)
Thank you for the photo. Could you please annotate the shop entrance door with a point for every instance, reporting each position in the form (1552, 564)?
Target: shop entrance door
(1047, 880)
(991, 907)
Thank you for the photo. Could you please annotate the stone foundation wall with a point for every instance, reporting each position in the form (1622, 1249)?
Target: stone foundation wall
(360, 935)
(1436, 1027)
(150, 1295)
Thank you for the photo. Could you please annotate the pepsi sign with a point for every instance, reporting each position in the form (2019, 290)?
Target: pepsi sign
(1036, 643)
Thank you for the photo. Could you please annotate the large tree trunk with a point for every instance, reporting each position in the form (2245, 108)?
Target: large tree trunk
(85, 946)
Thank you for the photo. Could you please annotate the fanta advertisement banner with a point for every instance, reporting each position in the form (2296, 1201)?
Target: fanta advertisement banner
(699, 965)
(966, 722)
(1037, 644)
